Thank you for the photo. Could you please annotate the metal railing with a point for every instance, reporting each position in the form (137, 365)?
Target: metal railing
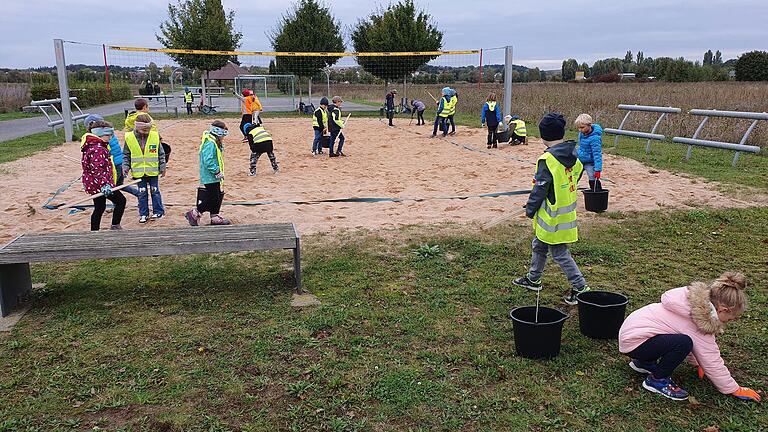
(58, 119)
(738, 148)
(652, 136)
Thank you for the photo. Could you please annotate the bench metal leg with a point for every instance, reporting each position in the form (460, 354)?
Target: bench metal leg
(15, 284)
(297, 266)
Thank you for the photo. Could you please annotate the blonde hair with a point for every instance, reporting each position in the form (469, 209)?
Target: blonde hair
(728, 291)
(491, 97)
(583, 120)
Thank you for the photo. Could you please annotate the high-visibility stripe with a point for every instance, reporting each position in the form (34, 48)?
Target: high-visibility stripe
(559, 227)
(560, 211)
(294, 54)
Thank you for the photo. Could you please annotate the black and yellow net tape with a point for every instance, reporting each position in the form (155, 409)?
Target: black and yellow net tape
(294, 54)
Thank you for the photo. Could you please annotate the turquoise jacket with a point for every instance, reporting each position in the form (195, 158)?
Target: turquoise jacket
(209, 163)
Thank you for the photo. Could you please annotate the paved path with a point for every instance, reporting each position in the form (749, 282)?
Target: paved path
(11, 129)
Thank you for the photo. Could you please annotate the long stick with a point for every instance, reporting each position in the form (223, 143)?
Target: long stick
(347, 119)
(502, 219)
(97, 195)
(430, 95)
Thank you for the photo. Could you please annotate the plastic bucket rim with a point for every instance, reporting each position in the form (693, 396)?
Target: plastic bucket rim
(596, 192)
(624, 303)
(513, 318)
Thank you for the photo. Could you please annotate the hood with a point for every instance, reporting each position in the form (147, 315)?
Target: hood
(92, 141)
(692, 302)
(597, 130)
(565, 153)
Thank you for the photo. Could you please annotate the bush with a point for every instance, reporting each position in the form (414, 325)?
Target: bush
(607, 78)
(88, 94)
(752, 66)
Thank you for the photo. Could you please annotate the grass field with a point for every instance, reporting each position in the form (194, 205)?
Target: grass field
(401, 342)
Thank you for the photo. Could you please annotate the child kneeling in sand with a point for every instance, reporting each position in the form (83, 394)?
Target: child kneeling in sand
(211, 176)
(659, 336)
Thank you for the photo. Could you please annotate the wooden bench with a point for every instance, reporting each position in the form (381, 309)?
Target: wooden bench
(16, 283)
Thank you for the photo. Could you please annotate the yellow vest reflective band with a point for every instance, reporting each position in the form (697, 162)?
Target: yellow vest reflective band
(491, 105)
(336, 117)
(449, 107)
(145, 163)
(259, 134)
(519, 127)
(219, 157)
(556, 223)
(325, 118)
(109, 149)
(188, 97)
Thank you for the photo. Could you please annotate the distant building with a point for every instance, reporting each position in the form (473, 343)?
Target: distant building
(580, 76)
(627, 76)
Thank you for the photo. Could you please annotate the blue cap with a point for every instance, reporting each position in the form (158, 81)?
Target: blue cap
(92, 118)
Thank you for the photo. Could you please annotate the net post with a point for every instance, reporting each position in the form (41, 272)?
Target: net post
(106, 69)
(480, 78)
(61, 71)
(507, 83)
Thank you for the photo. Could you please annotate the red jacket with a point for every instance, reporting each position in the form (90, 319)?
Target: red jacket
(97, 165)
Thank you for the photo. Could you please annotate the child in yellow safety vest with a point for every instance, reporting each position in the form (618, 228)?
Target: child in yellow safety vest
(552, 206)
(260, 142)
(211, 156)
(144, 158)
(516, 129)
(491, 116)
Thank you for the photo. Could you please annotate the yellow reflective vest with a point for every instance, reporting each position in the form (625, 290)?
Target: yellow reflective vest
(555, 223)
(449, 106)
(146, 163)
(325, 118)
(259, 134)
(519, 127)
(188, 97)
(111, 159)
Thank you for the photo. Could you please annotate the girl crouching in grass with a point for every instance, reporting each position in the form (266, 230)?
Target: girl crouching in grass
(659, 336)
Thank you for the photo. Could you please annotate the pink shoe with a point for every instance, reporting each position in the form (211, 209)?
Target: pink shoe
(218, 220)
(193, 217)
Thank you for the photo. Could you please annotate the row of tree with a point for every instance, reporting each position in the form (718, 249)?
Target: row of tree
(712, 68)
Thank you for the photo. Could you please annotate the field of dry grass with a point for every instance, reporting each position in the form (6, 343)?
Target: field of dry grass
(532, 100)
(13, 96)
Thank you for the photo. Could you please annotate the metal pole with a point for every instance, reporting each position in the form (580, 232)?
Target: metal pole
(61, 71)
(106, 66)
(507, 83)
(480, 79)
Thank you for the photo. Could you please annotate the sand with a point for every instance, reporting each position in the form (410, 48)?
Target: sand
(397, 162)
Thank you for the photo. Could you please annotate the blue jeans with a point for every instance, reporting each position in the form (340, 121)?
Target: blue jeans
(150, 186)
(443, 125)
(589, 167)
(317, 144)
(332, 140)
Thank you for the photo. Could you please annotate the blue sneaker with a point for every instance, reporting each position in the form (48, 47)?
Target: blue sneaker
(526, 282)
(665, 387)
(643, 367)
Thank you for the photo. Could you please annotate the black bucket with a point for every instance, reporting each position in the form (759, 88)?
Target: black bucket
(601, 313)
(502, 137)
(596, 201)
(325, 141)
(537, 340)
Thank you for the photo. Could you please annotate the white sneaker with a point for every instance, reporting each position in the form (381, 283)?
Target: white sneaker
(156, 216)
(142, 219)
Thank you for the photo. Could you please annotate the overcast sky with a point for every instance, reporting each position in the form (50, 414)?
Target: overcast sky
(543, 32)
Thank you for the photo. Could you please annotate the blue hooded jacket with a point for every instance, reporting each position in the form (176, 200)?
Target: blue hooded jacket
(484, 116)
(591, 147)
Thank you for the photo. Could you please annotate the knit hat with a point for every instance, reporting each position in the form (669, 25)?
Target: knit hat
(324, 101)
(91, 118)
(552, 127)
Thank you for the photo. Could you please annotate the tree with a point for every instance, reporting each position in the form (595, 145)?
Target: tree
(307, 27)
(640, 58)
(752, 66)
(708, 58)
(534, 75)
(153, 72)
(585, 68)
(200, 25)
(398, 28)
(718, 60)
(568, 70)
(629, 58)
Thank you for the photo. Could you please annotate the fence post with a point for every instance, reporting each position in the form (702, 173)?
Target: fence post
(507, 83)
(61, 71)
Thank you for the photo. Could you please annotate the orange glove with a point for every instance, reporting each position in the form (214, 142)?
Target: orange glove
(597, 174)
(747, 394)
(700, 372)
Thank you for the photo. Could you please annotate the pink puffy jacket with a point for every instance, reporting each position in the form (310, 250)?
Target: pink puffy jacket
(685, 310)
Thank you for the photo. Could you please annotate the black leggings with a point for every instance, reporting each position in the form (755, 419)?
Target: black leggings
(492, 133)
(211, 202)
(420, 117)
(668, 349)
(100, 204)
(453, 124)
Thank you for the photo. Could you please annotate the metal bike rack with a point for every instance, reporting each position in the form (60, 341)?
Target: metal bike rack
(738, 148)
(652, 136)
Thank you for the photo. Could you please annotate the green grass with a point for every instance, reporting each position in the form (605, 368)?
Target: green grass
(402, 340)
(13, 115)
(26, 146)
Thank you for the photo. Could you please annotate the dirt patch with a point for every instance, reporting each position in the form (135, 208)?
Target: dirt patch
(382, 162)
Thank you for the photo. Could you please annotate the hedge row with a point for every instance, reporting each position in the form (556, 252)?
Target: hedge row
(88, 94)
